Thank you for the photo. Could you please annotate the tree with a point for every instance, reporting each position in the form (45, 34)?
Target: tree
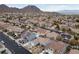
(7, 21)
(77, 20)
(59, 38)
(48, 17)
(3, 52)
(23, 26)
(57, 27)
(12, 34)
(5, 30)
(69, 30)
(73, 42)
(76, 36)
(63, 29)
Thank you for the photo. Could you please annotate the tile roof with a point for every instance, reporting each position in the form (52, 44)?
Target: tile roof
(74, 51)
(10, 27)
(42, 40)
(41, 31)
(52, 34)
(37, 49)
(58, 46)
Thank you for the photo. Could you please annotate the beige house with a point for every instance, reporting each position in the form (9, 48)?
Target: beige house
(42, 41)
(58, 46)
(37, 49)
(75, 30)
(53, 35)
(10, 27)
(41, 31)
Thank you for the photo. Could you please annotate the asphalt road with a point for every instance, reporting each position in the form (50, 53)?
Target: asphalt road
(12, 45)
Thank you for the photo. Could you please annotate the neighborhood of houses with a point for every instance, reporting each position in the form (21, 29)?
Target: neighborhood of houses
(41, 34)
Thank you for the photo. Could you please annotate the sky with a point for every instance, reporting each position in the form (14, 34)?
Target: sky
(49, 7)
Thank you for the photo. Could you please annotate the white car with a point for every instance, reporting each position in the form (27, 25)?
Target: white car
(2, 42)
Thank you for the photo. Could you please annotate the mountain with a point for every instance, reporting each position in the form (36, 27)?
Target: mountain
(4, 8)
(11, 9)
(31, 8)
(69, 12)
(27, 9)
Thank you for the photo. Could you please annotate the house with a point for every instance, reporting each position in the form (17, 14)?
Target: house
(59, 47)
(76, 30)
(73, 51)
(10, 28)
(14, 29)
(41, 31)
(63, 26)
(37, 49)
(75, 24)
(15, 22)
(30, 44)
(3, 25)
(52, 35)
(42, 41)
(29, 36)
(53, 27)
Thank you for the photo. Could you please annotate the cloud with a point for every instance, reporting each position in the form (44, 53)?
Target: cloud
(54, 7)
(58, 7)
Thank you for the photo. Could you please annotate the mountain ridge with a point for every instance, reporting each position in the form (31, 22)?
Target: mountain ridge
(30, 9)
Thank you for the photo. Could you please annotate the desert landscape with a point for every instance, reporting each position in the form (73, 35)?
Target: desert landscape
(30, 30)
